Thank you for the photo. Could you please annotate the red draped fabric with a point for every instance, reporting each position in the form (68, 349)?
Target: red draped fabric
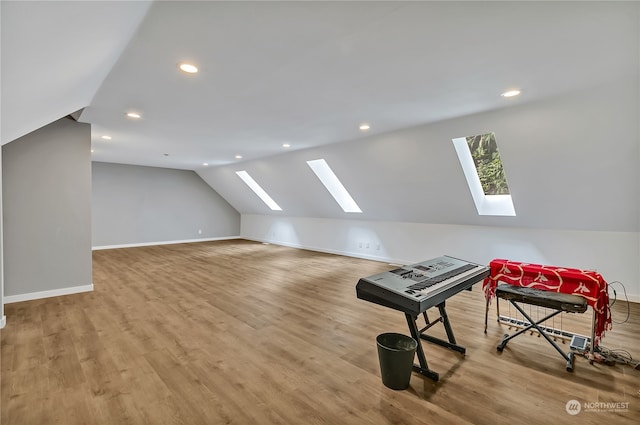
(586, 283)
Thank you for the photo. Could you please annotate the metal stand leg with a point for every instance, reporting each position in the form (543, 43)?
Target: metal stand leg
(451, 343)
(593, 332)
(423, 367)
(593, 337)
(418, 335)
(486, 315)
(533, 324)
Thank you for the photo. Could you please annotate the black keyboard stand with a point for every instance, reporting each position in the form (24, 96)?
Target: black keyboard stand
(418, 334)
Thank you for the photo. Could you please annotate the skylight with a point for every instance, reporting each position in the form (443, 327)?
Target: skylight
(334, 186)
(258, 190)
(482, 167)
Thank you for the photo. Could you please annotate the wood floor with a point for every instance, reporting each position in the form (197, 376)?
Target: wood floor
(246, 333)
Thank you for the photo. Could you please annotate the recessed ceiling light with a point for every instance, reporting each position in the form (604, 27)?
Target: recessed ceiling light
(510, 93)
(286, 145)
(91, 150)
(188, 68)
(106, 137)
(238, 156)
(364, 127)
(133, 115)
(205, 164)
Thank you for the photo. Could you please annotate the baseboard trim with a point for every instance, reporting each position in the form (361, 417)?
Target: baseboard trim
(3, 322)
(8, 299)
(137, 245)
(333, 251)
(631, 298)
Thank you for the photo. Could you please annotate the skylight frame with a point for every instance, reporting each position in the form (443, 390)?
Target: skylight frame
(258, 190)
(496, 205)
(333, 184)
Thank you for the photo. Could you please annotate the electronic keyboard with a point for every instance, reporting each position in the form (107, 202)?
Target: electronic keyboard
(415, 288)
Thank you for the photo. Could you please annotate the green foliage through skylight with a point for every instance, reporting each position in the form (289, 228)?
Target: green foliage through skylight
(486, 158)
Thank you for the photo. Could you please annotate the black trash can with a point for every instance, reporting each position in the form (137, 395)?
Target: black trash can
(396, 353)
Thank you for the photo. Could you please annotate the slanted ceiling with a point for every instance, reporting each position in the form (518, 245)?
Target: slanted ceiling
(571, 163)
(308, 73)
(55, 56)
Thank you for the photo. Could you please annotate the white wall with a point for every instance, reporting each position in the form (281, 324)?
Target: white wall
(134, 205)
(613, 254)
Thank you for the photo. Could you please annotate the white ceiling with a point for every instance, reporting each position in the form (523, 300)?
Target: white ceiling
(55, 55)
(304, 73)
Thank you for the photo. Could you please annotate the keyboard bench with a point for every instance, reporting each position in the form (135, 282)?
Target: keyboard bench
(556, 301)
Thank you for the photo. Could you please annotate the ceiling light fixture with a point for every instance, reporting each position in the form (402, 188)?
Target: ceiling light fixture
(238, 156)
(106, 137)
(205, 164)
(286, 145)
(188, 68)
(134, 115)
(510, 93)
(364, 127)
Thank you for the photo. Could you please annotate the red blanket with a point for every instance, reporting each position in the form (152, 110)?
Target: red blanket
(586, 283)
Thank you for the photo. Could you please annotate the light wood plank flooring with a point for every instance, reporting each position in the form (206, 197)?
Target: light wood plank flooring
(246, 333)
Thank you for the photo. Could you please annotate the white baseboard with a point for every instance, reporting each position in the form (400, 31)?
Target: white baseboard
(8, 299)
(388, 260)
(632, 298)
(137, 245)
(3, 322)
